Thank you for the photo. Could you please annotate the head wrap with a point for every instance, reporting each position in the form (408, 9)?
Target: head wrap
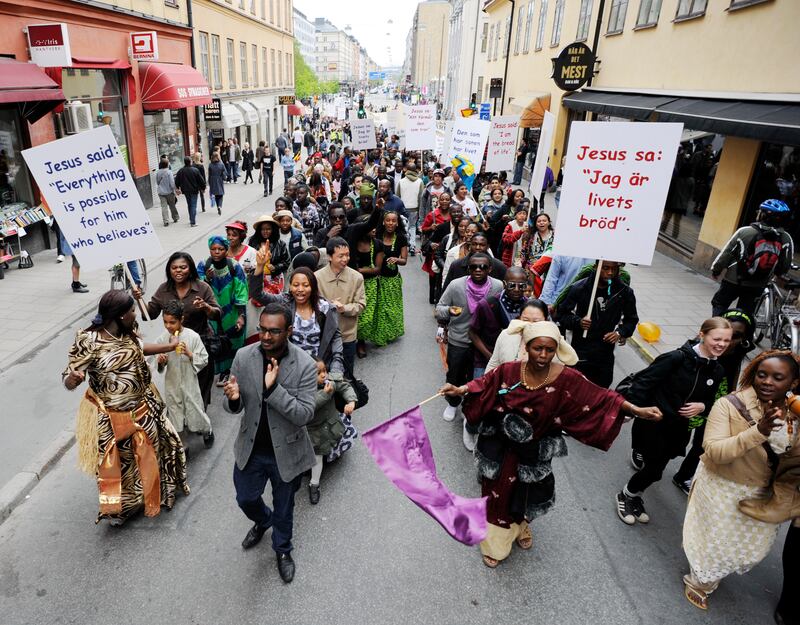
(530, 331)
(305, 259)
(366, 188)
(735, 314)
(216, 239)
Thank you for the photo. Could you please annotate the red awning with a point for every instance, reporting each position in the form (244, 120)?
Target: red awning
(27, 84)
(165, 86)
(294, 109)
(96, 62)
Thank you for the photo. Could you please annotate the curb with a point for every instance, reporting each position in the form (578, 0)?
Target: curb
(639, 346)
(16, 490)
(84, 312)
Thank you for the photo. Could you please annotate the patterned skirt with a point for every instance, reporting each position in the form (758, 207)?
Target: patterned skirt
(366, 320)
(389, 324)
(718, 539)
(168, 449)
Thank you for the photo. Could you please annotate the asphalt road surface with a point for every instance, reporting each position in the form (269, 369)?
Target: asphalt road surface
(365, 554)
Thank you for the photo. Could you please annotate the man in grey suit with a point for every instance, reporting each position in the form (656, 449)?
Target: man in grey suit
(273, 386)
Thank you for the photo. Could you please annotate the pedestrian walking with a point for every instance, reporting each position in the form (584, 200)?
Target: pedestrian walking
(683, 384)
(275, 407)
(519, 161)
(478, 243)
(751, 257)
(199, 305)
(519, 412)
(165, 182)
(191, 183)
(281, 143)
(258, 159)
(294, 239)
(432, 237)
(197, 163)
(267, 170)
(272, 256)
(124, 439)
(454, 313)
(235, 156)
(228, 282)
(216, 181)
(288, 163)
(297, 140)
(248, 162)
(182, 395)
(613, 320)
(727, 528)
(343, 287)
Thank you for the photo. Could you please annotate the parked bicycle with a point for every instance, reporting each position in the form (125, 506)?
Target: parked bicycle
(777, 315)
(119, 277)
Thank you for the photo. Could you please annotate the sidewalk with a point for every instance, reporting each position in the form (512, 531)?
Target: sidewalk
(674, 297)
(37, 303)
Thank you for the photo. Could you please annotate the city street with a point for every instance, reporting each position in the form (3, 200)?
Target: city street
(365, 554)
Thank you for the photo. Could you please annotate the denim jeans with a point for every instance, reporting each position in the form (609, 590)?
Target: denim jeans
(133, 267)
(349, 355)
(191, 202)
(235, 170)
(518, 167)
(267, 174)
(413, 216)
(229, 171)
(250, 483)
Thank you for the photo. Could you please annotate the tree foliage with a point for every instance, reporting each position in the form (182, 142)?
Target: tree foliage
(306, 83)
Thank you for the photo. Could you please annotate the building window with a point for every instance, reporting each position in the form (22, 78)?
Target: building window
(497, 40)
(241, 4)
(616, 16)
(518, 35)
(243, 62)
(542, 20)
(289, 76)
(739, 4)
(584, 20)
(231, 66)
(253, 7)
(558, 20)
(648, 13)
(216, 66)
(484, 36)
(690, 8)
(288, 17)
(490, 44)
(280, 69)
(255, 65)
(273, 76)
(528, 22)
(271, 11)
(264, 66)
(263, 9)
(506, 35)
(204, 56)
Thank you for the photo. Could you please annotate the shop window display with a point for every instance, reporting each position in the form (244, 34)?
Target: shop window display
(169, 137)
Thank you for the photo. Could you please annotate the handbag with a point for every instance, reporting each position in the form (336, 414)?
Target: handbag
(362, 395)
(217, 345)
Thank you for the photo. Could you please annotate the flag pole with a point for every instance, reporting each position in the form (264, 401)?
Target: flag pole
(425, 401)
(592, 298)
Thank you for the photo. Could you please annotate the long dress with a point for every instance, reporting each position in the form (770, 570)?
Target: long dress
(230, 288)
(519, 435)
(119, 382)
(181, 388)
(389, 323)
(366, 320)
(247, 259)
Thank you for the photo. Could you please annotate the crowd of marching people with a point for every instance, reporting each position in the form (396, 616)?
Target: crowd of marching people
(280, 310)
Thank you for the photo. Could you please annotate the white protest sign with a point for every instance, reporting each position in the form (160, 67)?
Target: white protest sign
(90, 191)
(616, 180)
(421, 127)
(502, 143)
(363, 133)
(341, 112)
(396, 122)
(329, 109)
(542, 154)
(444, 131)
(468, 139)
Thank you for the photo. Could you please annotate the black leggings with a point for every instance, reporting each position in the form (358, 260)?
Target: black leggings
(654, 464)
(248, 175)
(689, 464)
(460, 366)
(789, 604)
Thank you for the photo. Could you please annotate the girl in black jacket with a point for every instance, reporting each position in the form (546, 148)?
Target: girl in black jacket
(682, 384)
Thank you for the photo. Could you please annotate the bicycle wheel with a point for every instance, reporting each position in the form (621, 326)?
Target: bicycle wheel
(763, 317)
(117, 278)
(787, 335)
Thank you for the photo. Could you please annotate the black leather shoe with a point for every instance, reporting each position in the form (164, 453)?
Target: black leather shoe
(313, 494)
(253, 537)
(286, 567)
(208, 440)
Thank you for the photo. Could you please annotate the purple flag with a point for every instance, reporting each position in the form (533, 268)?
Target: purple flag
(402, 450)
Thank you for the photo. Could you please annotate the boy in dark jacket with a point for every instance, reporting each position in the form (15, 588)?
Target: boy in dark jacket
(612, 321)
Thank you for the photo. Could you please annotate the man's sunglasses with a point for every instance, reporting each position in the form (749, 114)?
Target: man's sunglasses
(481, 267)
(520, 286)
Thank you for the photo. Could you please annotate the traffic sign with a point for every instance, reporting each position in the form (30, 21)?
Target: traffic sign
(485, 112)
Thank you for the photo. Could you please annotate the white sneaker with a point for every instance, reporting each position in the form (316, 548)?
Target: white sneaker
(449, 413)
(60, 258)
(469, 439)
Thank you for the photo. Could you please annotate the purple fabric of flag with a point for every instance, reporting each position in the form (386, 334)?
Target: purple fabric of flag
(402, 450)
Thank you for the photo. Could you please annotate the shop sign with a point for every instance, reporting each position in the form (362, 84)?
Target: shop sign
(144, 46)
(285, 100)
(49, 45)
(495, 87)
(573, 67)
(174, 116)
(213, 112)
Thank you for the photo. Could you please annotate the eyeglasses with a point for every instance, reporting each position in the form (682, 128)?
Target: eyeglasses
(481, 267)
(519, 286)
(271, 331)
(338, 217)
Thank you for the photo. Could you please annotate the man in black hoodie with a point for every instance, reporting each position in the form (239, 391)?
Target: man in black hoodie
(191, 183)
(612, 321)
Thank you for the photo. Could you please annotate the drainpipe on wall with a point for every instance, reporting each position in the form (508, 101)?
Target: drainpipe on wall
(198, 138)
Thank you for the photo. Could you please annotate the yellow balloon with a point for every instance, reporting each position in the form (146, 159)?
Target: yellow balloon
(650, 331)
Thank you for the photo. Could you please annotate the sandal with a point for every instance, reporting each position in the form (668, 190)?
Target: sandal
(490, 562)
(697, 598)
(525, 539)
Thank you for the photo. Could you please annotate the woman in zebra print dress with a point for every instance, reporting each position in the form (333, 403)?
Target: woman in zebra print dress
(124, 437)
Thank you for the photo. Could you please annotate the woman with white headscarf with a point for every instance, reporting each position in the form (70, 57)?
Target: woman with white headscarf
(519, 411)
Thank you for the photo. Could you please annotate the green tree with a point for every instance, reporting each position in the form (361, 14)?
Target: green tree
(306, 83)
